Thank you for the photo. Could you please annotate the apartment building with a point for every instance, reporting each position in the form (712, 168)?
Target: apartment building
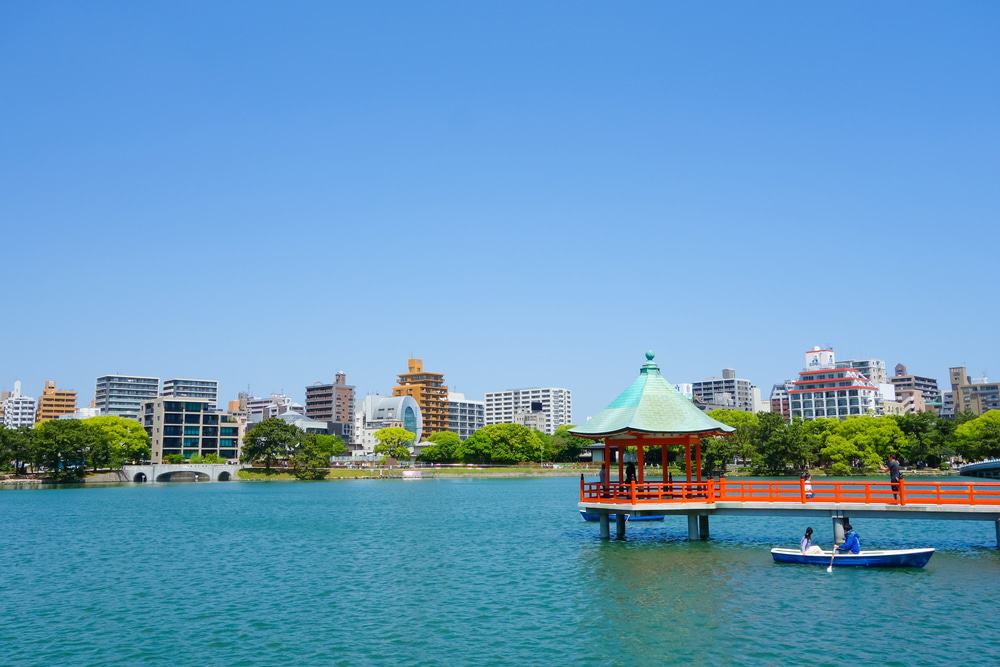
(123, 395)
(516, 406)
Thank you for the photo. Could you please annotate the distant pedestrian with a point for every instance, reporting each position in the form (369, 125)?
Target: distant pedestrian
(604, 478)
(807, 485)
(630, 472)
(894, 476)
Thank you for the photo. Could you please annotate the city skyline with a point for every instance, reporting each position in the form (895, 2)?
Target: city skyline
(266, 195)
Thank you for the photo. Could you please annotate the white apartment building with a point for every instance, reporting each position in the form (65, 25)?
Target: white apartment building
(123, 395)
(191, 388)
(465, 417)
(828, 389)
(728, 392)
(517, 406)
(18, 409)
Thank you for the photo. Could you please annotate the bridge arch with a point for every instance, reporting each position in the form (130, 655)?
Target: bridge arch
(184, 475)
(224, 476)
(140, 478)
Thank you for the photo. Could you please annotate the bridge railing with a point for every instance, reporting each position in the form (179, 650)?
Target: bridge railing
(905, 492)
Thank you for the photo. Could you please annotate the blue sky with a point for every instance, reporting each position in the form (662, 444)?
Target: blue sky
(520, 193)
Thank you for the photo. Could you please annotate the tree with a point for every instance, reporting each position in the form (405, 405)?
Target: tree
(269, 441)
(928, 438)
(501, 443)
(334, 443)
(566, 446)
(393, 442)
(15, 448)
(782, 446)
(311, 459)
(742, 443)
(979, 438)
(124, 441)
(174, 458)
(212, 457)
(443, 448)
(63, 447)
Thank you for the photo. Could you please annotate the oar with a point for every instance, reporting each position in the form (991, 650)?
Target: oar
(829, 568)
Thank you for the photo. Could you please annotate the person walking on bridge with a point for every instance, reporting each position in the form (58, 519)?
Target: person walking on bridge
(894, 476)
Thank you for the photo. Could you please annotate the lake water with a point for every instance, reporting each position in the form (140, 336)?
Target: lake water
(460, 572)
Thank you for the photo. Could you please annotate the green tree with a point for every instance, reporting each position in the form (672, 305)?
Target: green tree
(783, 447)
(743, 443)
(929, 438)
(393, 442)
(979, 438)
(63, 447)
(501, 443)
(123, 441)
(269, 441)
(566, 446)
(15, 449)
(311, 459)
(212, 457)
(174, 458)
(443, 448)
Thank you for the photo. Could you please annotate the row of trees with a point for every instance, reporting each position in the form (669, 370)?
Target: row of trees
(503, 443)
(771, 446)
(63, 449)
(306, 454)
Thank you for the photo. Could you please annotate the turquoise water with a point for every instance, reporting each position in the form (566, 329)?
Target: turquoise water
(459, 572)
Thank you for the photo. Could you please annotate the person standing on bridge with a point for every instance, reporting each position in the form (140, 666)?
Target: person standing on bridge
(894, 476)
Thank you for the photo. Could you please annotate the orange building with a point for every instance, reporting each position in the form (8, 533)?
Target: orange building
(430, 393)
(54, 402)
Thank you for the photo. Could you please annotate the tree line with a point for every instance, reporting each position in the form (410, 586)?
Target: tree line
(307, 455)
(63, 449)
(504, 444)
(768, 445)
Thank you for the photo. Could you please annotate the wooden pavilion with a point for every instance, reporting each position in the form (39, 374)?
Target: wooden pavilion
(651, 413)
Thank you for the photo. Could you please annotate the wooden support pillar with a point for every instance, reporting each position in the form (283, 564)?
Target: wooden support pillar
(996, 524)
(703, 526)
(687, 450)
(621, 463)
(697, 455)
(605, 525)
(692, 526)
(663, 461)
(641, 456)
(620, 525)
(607, 458)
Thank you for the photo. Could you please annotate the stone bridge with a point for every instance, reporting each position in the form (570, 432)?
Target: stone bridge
(165, 472)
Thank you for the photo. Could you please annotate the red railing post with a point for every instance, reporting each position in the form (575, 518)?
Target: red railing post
(802, 489)
(581, 488)
(972, 494)
(633, 491)
(710, 490)
(902, 491)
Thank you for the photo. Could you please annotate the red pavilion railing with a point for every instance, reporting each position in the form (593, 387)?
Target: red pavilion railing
(906, 492)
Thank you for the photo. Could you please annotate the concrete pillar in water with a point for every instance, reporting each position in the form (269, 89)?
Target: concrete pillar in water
(838, 529)
(703, 526)
(605, 526)
(620, 526)
(692, 526)
(996, 525)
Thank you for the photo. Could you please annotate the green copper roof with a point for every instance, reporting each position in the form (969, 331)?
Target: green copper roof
(650, 405)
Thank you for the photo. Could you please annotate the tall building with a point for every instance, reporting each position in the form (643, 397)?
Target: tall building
(975, 395)
(190, 426)
(780, 401)
(123, 395)
(827, 389)
(54, 402)
(430, 393)
(873, 369)
(18, 409)
(728, 392)
(515, 406)
(377, 412)
(925, 385)
(465, 417)
(258, 409)
(189, 388)
(333, 403)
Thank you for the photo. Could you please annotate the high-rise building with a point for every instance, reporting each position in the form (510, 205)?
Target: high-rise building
(430, 393)
(333, 403)
(873, 369)
(827, 389)
(925, 385)
(54, 402)
(728, 392)
(18, 409)
(975, 395)
(122, 395)
(465, 417)
(190, 426)
(190, 388)
(780, 401)
(258, 409)
(506, 407)
(376, 412)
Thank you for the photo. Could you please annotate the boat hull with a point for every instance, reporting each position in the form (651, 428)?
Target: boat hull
(594, 516)
(886, 558)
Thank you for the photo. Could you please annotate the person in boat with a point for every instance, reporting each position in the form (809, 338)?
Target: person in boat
(806, 546)
(852, 541)
(630, 472)
(807, 485)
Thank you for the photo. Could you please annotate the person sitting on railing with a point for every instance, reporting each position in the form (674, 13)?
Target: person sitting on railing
(806, 545)
(852, 541)
(807, 485)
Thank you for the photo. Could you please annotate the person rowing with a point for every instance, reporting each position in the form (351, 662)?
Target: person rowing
(852, 541)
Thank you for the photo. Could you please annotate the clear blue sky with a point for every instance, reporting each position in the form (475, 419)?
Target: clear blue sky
(520, 193)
